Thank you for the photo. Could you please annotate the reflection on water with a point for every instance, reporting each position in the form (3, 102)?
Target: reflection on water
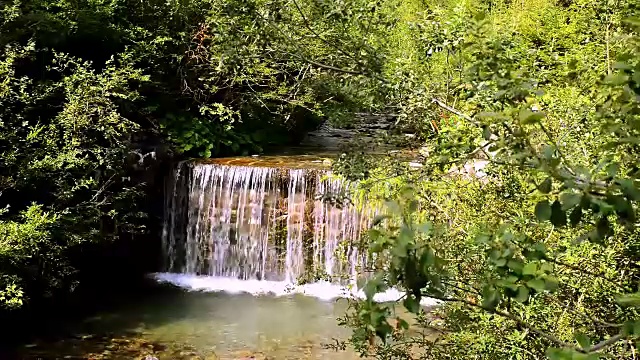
(192, 325)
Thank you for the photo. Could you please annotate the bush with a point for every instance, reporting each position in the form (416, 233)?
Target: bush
(537, 256)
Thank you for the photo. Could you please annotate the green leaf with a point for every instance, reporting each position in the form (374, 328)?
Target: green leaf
(411, 304)
(583, 340)
(629, 300)
(633, 21)
(543, 211)
(406, 236)
(523, 294)
(558, 216)
(515, 266)
(629, 189)
(413, 206)
(569, 354)
(486, 132)
(529, 117)
(603, 227)
(569, 200)
(371, 289)
(483, 238)
(622, 66)
(612, 169)
(490, 297)
(479, 16)
(500, 262)
(530, 269)
(551, 283)
(631, 327)
(488, 115)
(548, 152)
(545, 186)
(361, 282)
(427, 259)
(536, 284)
(575, 216)
(616, 79)
(403, 323)
(374, 234)
(546, 267)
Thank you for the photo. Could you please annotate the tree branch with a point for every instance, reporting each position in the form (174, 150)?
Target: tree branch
(452, 110)
(326, 42)
(604, 344)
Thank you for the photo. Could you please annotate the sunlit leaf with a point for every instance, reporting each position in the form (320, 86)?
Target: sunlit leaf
(536, 284)
(530, 269)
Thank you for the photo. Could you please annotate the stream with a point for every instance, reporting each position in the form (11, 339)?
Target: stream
(178, 324)
(256, 265)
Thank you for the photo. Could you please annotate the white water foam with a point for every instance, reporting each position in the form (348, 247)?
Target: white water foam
(322, 290)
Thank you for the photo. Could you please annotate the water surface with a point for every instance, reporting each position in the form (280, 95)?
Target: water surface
(181, 324)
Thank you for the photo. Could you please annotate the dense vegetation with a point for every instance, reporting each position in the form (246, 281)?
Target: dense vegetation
(91, 92)
(535, 255)
(532, 248)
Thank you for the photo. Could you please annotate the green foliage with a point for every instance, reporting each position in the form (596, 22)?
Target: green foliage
(62, 148)
(535, 257)
(81, 80)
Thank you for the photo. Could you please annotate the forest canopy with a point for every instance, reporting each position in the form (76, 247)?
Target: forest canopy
(533, 254)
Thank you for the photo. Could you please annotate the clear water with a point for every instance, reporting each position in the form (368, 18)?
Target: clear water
(204, 325)
(233, 325)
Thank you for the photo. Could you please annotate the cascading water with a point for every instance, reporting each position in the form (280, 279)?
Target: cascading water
(261, 229)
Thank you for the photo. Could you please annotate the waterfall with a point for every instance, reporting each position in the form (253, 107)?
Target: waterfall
(254, 223)
(264, 228)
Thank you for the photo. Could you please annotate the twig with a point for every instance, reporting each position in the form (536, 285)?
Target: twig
(327, 42)
(606, 343)
(452, 110)
(584, 271)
